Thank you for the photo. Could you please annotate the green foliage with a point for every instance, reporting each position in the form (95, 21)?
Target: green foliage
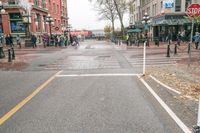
(107, 29)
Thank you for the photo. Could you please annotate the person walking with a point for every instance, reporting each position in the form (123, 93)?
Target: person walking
(196, 40)
(18, 41)
(179, 37)
(47, 39)
(7, 40)
(11, 40)
(34, 40)
(62, 41)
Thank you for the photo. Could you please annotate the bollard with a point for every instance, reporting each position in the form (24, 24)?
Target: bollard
(9, 55)
(13, 53)
(189, 48)
(168, 49)
(1, 52)
(175, 49)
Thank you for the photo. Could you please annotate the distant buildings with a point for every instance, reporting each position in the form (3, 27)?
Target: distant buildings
(15, 19)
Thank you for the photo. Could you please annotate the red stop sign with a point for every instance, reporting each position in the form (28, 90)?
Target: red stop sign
(193, 10)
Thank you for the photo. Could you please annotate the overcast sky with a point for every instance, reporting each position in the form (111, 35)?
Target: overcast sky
(83, 16)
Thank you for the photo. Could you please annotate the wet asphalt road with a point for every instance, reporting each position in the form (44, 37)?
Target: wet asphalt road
(92, 104)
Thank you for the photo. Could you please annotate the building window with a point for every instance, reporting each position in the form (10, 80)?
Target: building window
(49, 5)
(36, 2)
(16, 23)
(54, 7)
(43, 4)
(37, 22)
(44, 23)
(57, 9)
(178, 6)
(187, 3)
(161, 5)
(55, 22)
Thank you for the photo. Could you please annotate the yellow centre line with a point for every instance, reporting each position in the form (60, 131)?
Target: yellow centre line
(23, 102)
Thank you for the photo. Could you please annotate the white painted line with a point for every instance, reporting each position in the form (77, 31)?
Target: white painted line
(169, 88)
(95, 75)
(198, 120)
(167, 109)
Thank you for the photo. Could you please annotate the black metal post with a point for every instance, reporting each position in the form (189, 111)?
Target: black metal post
(175, 48)
(146, 36)
(9, 55)
(168, 49)
(189, 48)
(13, 53)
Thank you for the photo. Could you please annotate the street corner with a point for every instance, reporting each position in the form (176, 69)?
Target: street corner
(181, 78)
(14, 65)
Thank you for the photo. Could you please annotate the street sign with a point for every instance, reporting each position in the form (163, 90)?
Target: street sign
(193, 10)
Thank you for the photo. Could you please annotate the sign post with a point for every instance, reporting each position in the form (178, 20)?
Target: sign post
(193, 11)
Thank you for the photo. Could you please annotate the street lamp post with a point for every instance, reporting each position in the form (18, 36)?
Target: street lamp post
(50, 22)
(2, 55)
(68, 31)
(145, 21)
(2, 8)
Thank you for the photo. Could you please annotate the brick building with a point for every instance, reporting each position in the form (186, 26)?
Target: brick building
(12, 21)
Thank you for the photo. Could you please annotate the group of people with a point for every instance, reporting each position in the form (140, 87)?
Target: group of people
(59, 40)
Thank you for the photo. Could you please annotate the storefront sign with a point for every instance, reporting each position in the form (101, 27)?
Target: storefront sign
(168, 3)
(193, 10)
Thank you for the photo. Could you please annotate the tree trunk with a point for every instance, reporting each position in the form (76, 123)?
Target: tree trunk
(120, 17)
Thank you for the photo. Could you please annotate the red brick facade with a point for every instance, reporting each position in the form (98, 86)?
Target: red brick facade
(40, 9)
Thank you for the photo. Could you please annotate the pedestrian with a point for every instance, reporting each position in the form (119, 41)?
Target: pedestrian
(44, 40)
(18, 41)
(127, 39)
(62, 41)
(179, 37)
(2, 54)
(58, 39)
(196, 40)
(47, 39)
(34, 40)
(11, 40)
(7, 40)
(71, 39)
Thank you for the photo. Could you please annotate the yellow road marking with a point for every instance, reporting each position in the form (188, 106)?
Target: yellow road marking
(22, 103)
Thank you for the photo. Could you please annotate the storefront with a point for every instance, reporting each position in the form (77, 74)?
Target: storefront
(174, 23)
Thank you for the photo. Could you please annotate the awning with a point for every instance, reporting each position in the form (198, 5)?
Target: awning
(134, 30)
(171, 22)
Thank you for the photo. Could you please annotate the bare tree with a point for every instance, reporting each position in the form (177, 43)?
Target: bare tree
(107, 11)
(120, 7)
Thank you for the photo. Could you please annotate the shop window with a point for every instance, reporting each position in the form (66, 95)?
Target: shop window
(16, 23)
